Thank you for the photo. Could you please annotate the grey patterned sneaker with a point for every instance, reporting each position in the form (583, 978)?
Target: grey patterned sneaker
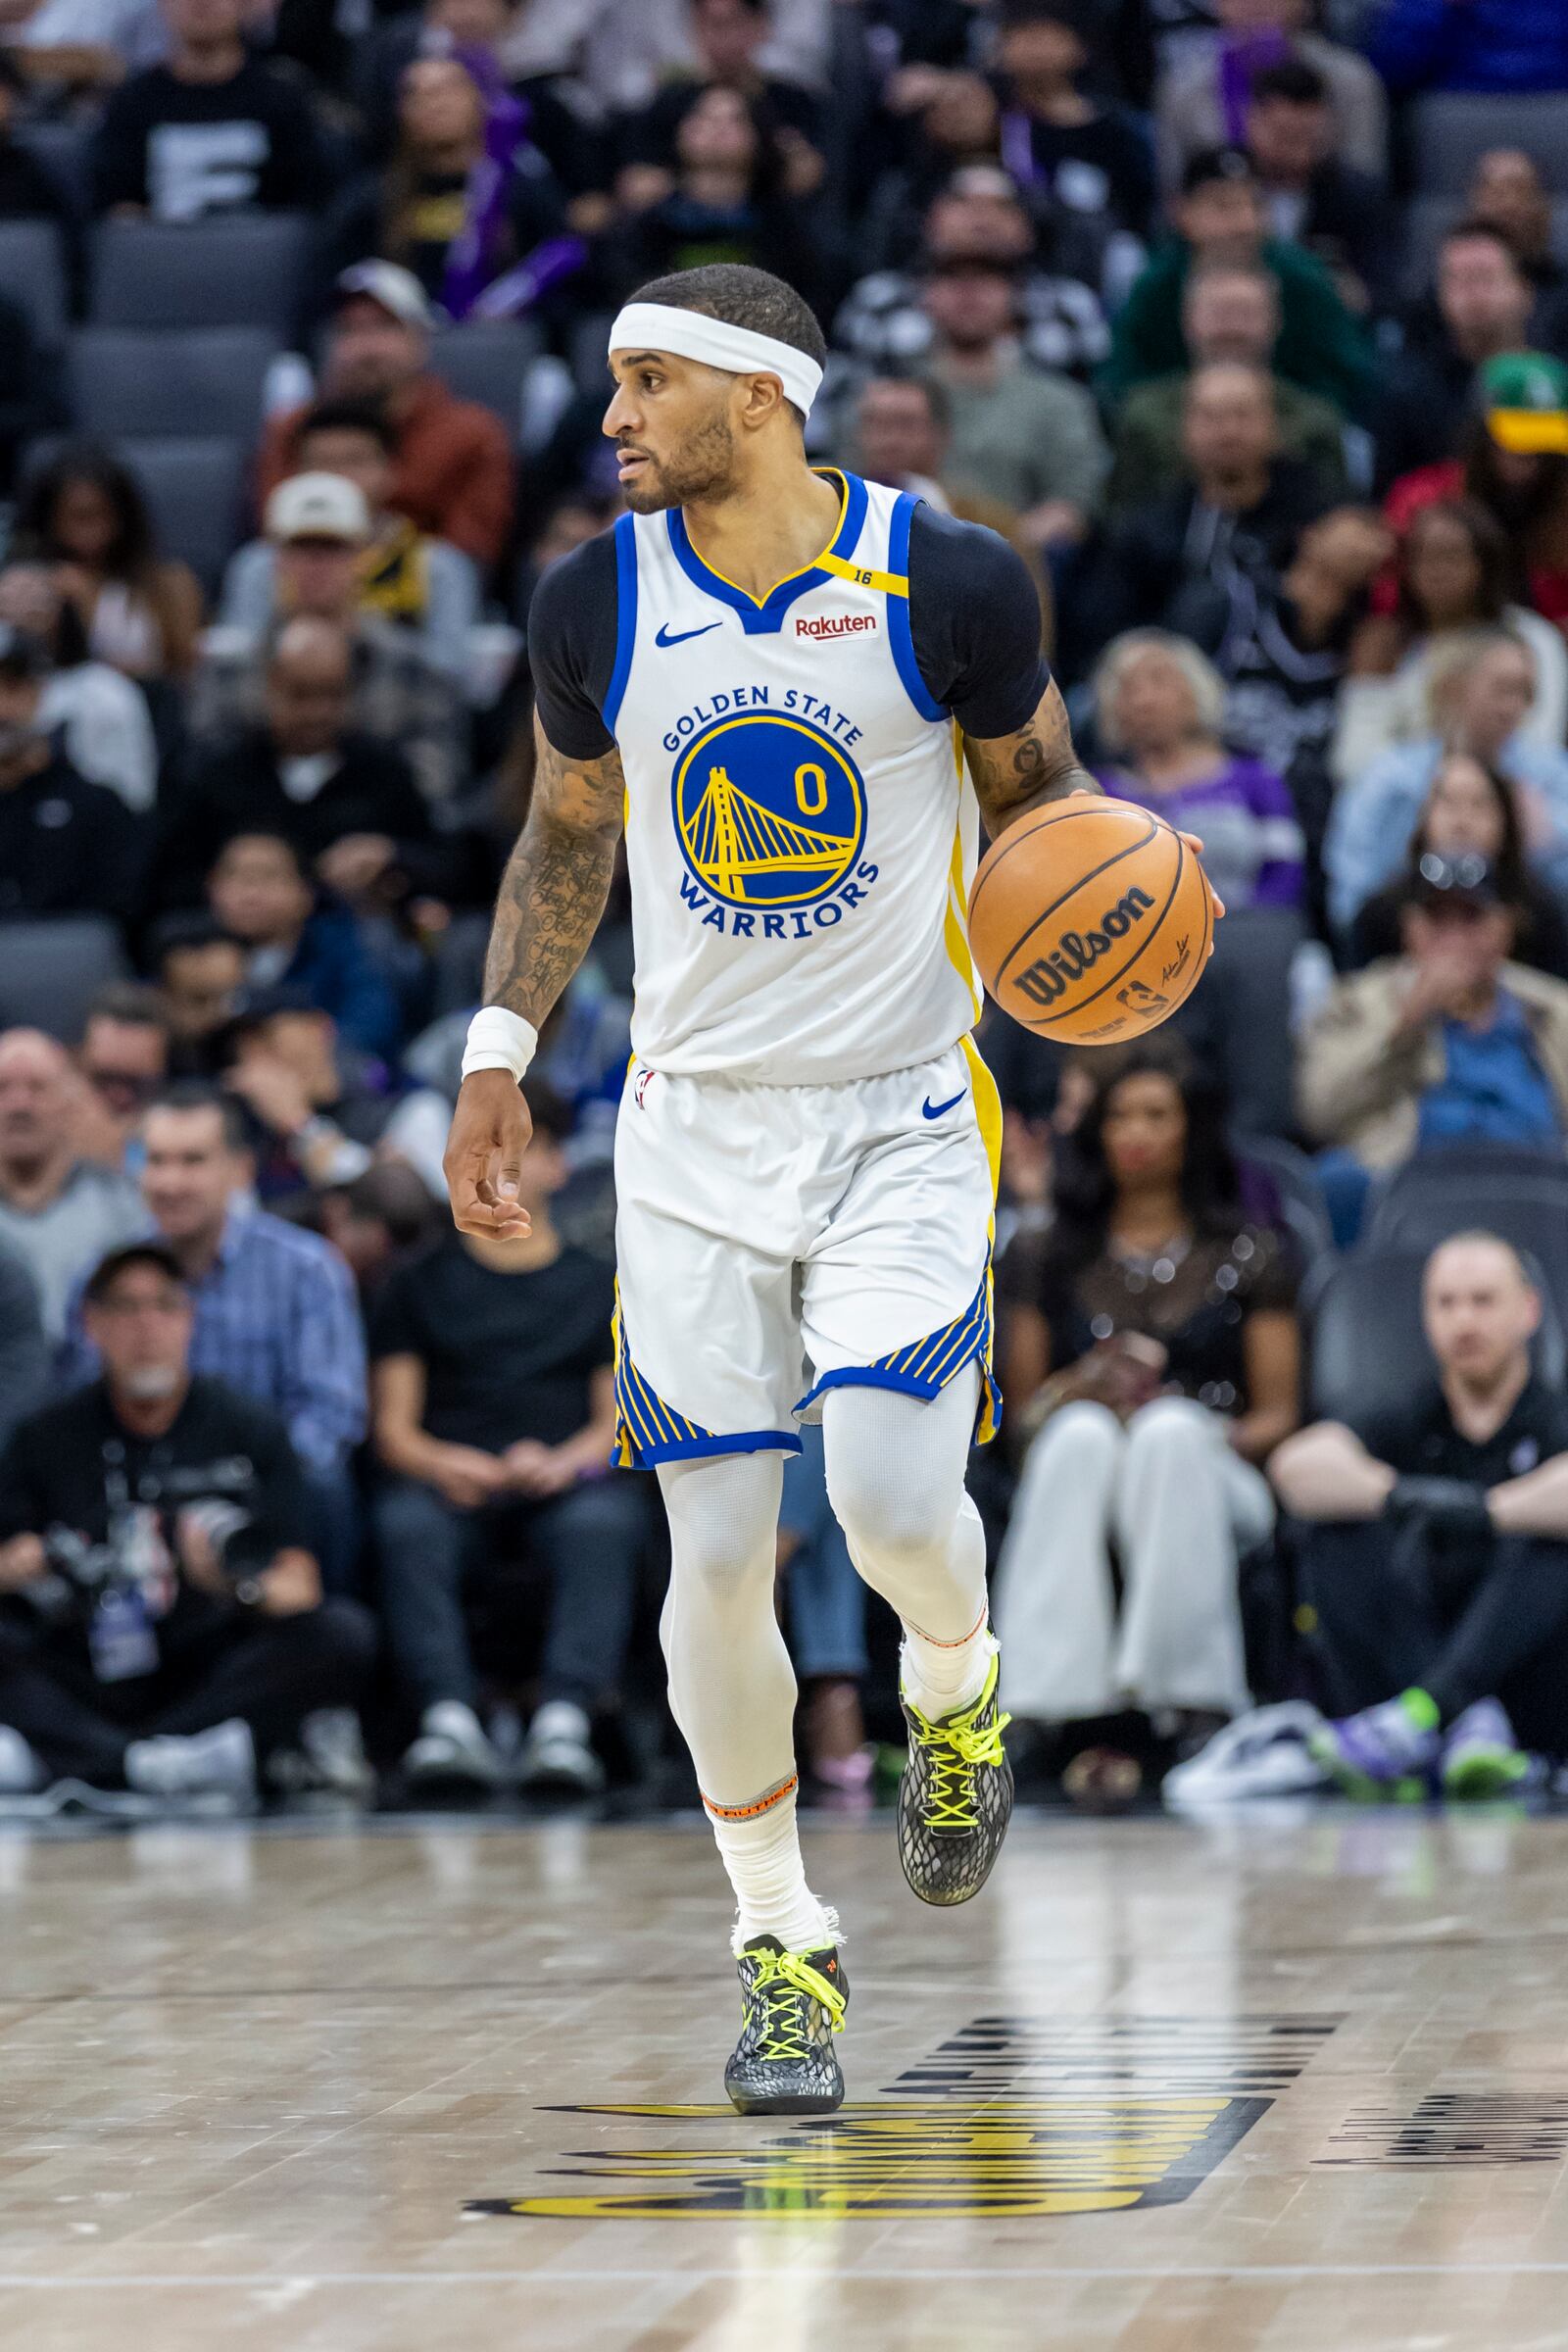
(792, 2003)
(956, 1797)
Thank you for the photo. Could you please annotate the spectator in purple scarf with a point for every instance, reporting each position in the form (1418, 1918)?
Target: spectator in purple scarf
(1158, 705)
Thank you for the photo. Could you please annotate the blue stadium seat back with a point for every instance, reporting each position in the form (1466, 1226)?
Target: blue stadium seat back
(195, 489)
(1303, 1211)
(211, 380)
(1427, 218)
(488, 363)
(1520, 1196)
(243, 270)
(32, 274)
(1449, 131)
(64, 151)
(1365, 1346)
(52, 967)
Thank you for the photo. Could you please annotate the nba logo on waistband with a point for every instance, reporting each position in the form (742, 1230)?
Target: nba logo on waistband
(644, 1078)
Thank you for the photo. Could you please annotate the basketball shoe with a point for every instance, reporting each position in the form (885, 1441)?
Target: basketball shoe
(792, 2005)
(956, 1797)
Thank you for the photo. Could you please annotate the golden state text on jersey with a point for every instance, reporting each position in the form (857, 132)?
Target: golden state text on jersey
(799, 831)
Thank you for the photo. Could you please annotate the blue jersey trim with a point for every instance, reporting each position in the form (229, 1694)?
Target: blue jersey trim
(767, 618)
(692, 1449)
(625, 616)
(899, 634)
(924, 1368)
(648, 1431)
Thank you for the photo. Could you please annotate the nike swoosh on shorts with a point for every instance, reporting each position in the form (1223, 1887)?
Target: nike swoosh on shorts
(934, 1111)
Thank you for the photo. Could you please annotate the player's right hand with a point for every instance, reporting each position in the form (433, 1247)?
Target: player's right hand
(490, 1132)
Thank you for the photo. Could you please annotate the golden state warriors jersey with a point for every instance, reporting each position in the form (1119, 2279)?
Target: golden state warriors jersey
(799, 830)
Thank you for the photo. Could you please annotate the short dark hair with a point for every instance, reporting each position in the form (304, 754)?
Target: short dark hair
(130, 1001)
(934, 393)
(743, 297)
(1460, 233)
(548, 1110)
(366, 416)
(188, 927)
(260, 832)
(107, 1272)
(185, 1095)
(1294, 81)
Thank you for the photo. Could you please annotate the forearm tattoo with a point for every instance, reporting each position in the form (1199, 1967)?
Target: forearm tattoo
(557, 880)
(1016, 773)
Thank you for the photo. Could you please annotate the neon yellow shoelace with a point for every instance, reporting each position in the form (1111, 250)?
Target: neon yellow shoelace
(786, 2023)
(957, 1749)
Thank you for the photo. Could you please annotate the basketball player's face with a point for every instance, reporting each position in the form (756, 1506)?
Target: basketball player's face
(670, 422)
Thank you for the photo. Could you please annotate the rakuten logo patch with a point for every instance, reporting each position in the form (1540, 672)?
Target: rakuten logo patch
(843, 625)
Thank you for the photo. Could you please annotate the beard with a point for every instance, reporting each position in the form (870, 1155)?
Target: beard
(704, 469)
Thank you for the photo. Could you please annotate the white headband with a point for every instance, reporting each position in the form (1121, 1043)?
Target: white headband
(691, 335)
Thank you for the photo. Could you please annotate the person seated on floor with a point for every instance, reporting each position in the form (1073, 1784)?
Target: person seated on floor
(494, 1416)
(163, 1629)
(260, 895)
(1471, 811)
(1149, 1345)
(324, 1114)
(1434, 1549)
(420, 583)
(1159, 710)
(1450, 1041)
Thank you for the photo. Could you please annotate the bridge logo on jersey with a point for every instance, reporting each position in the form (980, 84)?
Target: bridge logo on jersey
(770, 816)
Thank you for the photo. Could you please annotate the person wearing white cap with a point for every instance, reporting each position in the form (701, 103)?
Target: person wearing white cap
(763, 674)
(319, 527)
(454, 477)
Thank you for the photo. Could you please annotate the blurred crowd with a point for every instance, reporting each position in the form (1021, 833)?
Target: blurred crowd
(1247, 323)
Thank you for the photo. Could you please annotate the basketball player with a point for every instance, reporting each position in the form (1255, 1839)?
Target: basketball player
(775, 678)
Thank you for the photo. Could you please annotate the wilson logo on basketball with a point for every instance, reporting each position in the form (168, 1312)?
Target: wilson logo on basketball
(841, 625)
(1048, 979)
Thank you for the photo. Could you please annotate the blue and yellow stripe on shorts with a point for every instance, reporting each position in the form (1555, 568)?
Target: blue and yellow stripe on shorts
(648, 1431)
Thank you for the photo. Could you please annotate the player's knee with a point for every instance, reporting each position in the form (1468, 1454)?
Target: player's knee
(891, 1510)
(723, 1522)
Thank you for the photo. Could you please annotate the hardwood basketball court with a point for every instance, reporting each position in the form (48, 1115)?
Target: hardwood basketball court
(1290, 2080)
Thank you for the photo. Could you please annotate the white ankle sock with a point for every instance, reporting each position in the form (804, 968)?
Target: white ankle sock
(943, 1678)
(763, 1856)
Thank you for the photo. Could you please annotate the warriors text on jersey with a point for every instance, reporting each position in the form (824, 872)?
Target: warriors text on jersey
(800, 834)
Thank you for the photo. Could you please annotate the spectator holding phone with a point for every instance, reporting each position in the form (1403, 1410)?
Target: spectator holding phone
(1151, 1343)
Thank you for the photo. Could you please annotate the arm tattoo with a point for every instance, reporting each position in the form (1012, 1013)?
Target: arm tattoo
(557, 880)
(1013, 775)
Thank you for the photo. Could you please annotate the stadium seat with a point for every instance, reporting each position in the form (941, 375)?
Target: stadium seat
(33, 273)
(1521, 1195)
(1295, 1180)
(245, 271)
(195, 490)
(1365, 1346)
(488, 363)
(51, 969)
(209, 380)
(1449, 131)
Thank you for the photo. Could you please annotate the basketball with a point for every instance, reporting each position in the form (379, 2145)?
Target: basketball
(1091, 922)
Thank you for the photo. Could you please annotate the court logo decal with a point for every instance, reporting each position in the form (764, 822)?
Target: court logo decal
(1456, 2127)
(771, 815)
(1013, 2117)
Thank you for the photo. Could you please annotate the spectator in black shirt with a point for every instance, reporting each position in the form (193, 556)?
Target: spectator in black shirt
(1090, 158)
(494, 1412)
(727, 35)
(24, 1350)
(168, 1632)
(1197, 560)
(67, 847)
(346, 799)
(1435, 1550)
(1312, 195)
(212, 130)
(1480, 307)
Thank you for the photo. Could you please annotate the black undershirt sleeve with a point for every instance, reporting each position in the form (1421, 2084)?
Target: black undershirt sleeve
(974, 616)
(572, 647)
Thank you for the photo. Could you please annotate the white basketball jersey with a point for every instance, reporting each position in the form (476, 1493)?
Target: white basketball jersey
(800, 829)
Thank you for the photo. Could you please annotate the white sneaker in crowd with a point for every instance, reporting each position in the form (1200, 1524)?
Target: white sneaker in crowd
(221, 1762)
(452, 1748)
(329, 1760)
(558, 1753)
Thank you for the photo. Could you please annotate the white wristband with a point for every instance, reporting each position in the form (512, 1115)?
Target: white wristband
(499, 1040)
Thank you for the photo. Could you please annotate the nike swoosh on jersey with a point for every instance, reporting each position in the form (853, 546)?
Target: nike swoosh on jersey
(662, 636)
(934, 1111)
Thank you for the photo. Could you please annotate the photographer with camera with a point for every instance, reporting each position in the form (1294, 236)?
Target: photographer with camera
(162, 1626)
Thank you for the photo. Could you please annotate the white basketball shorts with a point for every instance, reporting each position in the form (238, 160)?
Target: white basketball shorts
(779, 1241)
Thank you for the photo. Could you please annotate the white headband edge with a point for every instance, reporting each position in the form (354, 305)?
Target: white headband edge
(716, 343)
